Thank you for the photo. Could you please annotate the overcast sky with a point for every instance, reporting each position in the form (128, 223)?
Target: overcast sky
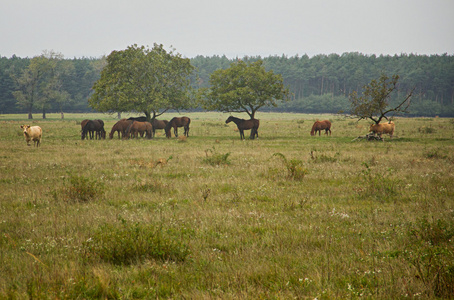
(92, 28)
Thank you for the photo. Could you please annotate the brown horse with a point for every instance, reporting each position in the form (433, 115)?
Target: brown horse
(121, 127)
(321, 125)
(243, 125)
(175, 123)
(141, 128)
(158, 124)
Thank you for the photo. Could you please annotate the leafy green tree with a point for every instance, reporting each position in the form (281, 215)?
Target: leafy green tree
(244, 88)
(138, 79)
(40, 83)
(374, 104)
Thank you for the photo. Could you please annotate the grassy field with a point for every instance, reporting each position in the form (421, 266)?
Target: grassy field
(285, 216)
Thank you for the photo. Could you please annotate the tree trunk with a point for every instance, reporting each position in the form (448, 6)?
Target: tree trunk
(148, 115)
(62, 115)
(119, 115)
(30, 116)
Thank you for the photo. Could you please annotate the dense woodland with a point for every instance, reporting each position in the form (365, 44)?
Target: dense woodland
(319, 84)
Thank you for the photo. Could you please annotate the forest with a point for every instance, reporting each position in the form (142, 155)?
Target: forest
(318, 84)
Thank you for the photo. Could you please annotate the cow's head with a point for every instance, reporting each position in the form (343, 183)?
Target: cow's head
(25, 128)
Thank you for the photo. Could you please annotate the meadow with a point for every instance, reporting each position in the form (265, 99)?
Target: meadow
(284, 216)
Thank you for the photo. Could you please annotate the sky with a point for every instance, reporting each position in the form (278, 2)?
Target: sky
(235, 28)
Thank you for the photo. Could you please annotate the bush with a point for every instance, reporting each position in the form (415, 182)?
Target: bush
(124, 244)
(82, 189)
(294, 167)
(216, 159)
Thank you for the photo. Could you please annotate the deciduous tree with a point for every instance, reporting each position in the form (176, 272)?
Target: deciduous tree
(374, 103)
(145, 80)
(244, 88)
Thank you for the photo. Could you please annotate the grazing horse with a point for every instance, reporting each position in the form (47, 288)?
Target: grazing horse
(141, 128)
(243, 125)
(139, 119)
(383, 128)
(92, 127)
(321, 125)
(175, 123)
(121, 127)
(158, 124)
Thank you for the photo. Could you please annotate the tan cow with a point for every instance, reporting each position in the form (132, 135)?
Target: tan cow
(32, 133)
(383, 128)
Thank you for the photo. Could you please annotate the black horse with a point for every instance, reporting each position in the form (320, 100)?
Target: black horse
(138, 119)
(243, 125)
(93, 127)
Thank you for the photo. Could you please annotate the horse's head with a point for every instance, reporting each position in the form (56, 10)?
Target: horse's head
(229, 119)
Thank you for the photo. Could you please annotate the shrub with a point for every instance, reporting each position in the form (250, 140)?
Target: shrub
(83, 189)
(216, 159)
(294, 167)
(124, 244)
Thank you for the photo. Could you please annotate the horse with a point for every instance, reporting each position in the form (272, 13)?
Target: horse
(101, 133)
(383, 128)
(158, 124)
(141, 128)
(93, 126)
(121, 127)
(139, 119)
(175, 123)
(321, 125)
(243, 124)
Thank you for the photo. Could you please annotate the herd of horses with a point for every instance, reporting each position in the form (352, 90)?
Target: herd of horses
(135, 127)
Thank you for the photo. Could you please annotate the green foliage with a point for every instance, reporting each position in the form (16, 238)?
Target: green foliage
(143, 80)
(244, 87)
(125, 243)
(82, 189)
(374, 103)
(431, 253)
(295, 168)
(216, 159)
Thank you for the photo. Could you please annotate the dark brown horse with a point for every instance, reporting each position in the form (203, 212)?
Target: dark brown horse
(158, 124)
(321, 125)
(91, 127)
(121, 127)
(175, 123)
(243, 125)
(142, 128)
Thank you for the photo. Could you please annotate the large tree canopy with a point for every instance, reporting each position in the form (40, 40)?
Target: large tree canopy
(374, 103)
(142, 80)
(244, 88)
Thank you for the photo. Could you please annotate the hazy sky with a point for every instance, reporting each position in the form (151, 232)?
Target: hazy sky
(92, 28)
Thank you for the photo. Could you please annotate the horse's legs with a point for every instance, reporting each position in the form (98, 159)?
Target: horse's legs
(186, 131)
(175, 131)
(241, 134)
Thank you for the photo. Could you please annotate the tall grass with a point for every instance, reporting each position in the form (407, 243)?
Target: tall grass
(287, 215)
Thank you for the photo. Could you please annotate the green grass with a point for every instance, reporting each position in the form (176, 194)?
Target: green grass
(285, 216)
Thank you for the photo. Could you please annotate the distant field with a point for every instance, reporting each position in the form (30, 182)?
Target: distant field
(209, 216)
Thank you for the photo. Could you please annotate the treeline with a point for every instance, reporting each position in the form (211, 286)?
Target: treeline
(319, 84)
